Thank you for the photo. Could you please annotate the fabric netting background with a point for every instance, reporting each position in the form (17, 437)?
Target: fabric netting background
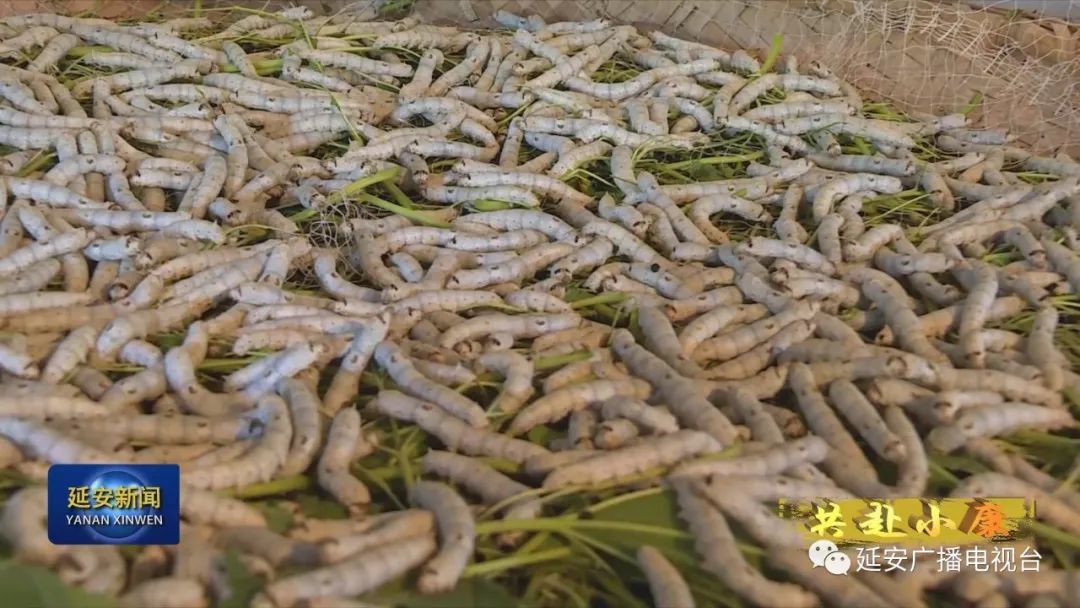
(921, 55)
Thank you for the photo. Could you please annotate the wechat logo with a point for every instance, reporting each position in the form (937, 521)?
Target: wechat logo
(825, 553)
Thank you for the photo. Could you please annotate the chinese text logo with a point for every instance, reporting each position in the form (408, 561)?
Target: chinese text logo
(114, 504)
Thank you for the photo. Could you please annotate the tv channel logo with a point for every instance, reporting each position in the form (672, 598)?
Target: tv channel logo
(120, 504)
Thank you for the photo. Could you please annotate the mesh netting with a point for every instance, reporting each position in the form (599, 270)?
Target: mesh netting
(934, 56)
(921, 55)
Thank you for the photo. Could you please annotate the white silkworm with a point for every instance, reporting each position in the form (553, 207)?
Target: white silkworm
(336, 285)
(850, 463)
(650, 453)
(569, 374)
(859, 412)
(1013, 387)
(681, 395)
(800, 254)
(165, 591)
(900, 317)
(346, 381)
(740, 340)
(355, 576)
(492, 487)
(457, 535)
(285, 364)
(1063, 261)
(559, 404)
(991, 420)
(580, 429)
(613, 434)
(334, 475)
(168, 429)
(257, 464)
(838, 591)
(33, 278)
(445, 300)
(773, 460)
(202, 507)
(648, 418)
(398, 366)
(715, 542)
(759, 357)
(683, 226)
(537, 301)
(660, 338)
(50, 445)
(624, 241)
(667, 586)
(975, 311)
(517, 373)
(1041, 350)
(24, 257)
(304, 407)
(452, 432)
(714, 321)
(519, 326)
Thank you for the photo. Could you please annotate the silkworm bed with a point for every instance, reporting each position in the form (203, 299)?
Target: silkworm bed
(544, 313)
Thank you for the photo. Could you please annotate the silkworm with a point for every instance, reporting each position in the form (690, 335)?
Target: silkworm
(452, 432)
(202, 507)
(304, 407)
(351, 577)
(334, 475)
(849, 463)
(715, 542)
(976, 308)
(901, 318)
(800, 254)
(648, 418)
(457, 535)
(517, 372)
(738, 341)
(613, 434)
(492, 487)
(1041, 350)
(562, 402)
(772, 460)
(858, 411)
(661, 451)
(257, 464)
(838, 591)
(667, 586)
(52, 446)
(165, 591)
(346, 382)
(684, 227)
(390, 357)
(1063, 261)
(450, 300)
(661, 339)
(991, 420)
(681, 395)
(519, 326)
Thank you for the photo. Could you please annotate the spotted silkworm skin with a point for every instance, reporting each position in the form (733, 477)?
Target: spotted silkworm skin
(452, 432)
(991, 420)
(351, 577)
(457, 535)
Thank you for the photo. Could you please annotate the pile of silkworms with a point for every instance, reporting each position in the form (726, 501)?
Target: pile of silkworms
(771, 340)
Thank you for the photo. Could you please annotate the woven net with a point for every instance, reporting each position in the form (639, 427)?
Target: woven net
(920, 55)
